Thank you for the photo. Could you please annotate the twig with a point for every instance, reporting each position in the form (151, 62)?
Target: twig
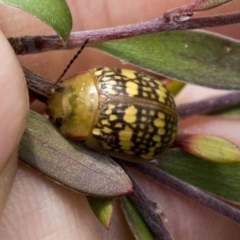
(189, 9)
(38, 86)
(209, 105)
(187, 190)
(148, 209)
(37, 44)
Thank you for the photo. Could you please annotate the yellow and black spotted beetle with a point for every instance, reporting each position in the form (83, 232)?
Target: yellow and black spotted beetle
(124, 113)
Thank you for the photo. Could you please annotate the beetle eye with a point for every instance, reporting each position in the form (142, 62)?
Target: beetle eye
(58, 89)
(59, 121)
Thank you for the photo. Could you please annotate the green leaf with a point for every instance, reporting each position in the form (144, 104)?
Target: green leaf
(205, 5)
(70, 163)
(220, 179)
(229, 112)
(209, 147)
(175, 87)
(139, 229)
(55, 13)
(192, 56)
(102, 208)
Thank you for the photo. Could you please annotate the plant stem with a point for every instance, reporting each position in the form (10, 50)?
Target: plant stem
(37, 44)
(148, 210)
(187, 190)
(209, 105)
(189, 9)
(38, 86)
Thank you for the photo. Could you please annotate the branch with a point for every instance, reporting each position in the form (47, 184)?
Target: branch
(148, 209)
(37, 44)
(187, 190)
(38, 86)
(187, 11)
(209, 105)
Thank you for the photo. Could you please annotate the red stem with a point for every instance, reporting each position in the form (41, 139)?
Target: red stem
(37, 44)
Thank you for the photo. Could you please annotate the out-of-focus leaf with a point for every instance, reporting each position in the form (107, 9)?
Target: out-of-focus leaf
(139, 229)
(209, 147)
(192, 56)
(70, 163)
(175, 87)
(102, 208)
(205, 5)
(230, 112)
(217, 178)
(55, 13)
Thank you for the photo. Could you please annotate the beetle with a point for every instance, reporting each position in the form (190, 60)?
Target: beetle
(125, 113)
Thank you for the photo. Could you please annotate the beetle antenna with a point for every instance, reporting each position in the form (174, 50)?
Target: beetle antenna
(72, 61)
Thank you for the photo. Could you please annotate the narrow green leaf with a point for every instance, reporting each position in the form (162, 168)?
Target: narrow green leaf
(192, 56)
(205, 5)
(175, 87)
(55, 13)
(220, 179)
(229, 112)
(102, 208)
(209, 147)
(70, 163)
(139, 229)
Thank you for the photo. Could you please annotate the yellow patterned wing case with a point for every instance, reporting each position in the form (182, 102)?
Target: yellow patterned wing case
(136, 117)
